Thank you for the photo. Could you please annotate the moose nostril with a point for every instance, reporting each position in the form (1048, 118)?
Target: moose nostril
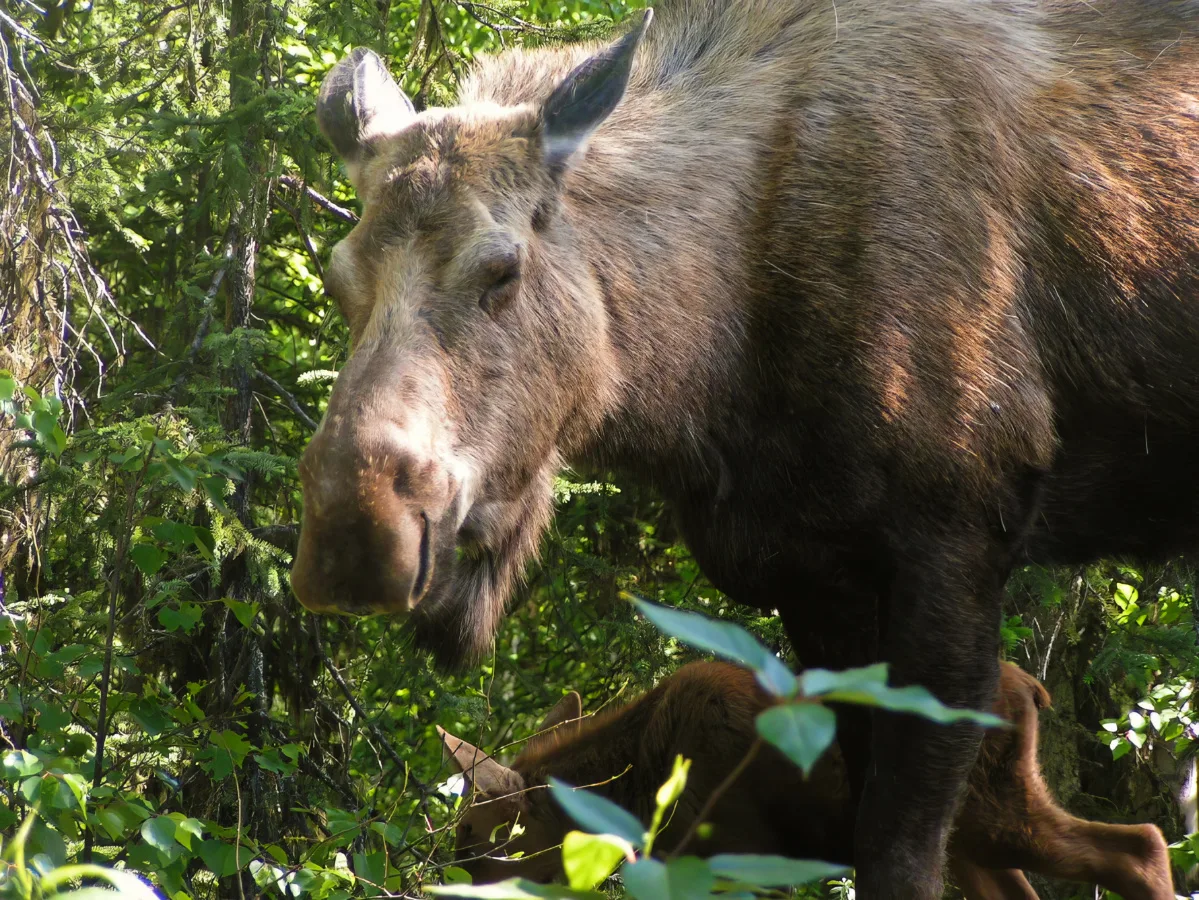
(426, 562)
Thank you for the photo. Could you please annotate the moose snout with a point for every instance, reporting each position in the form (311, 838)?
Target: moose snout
(368, 533)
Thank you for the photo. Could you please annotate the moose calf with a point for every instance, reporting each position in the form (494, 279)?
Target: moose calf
(1008, 821)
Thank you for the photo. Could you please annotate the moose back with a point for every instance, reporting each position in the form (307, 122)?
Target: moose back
(881, 294)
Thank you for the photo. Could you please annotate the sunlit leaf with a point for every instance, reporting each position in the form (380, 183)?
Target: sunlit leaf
(723, 639)
(590, 858)
(597, 814)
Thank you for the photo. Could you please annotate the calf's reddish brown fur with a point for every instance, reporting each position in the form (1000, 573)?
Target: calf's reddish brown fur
(1008, 821)
(881, 294)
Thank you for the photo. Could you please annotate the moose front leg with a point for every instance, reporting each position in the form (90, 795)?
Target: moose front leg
(941, 631)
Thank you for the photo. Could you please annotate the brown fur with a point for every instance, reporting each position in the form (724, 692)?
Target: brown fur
(705, 711)
(881, 294)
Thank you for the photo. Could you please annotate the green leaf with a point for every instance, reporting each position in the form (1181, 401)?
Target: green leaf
(20, 763)
(183, 475)
(455, 875)
(510, 889)
(187, 829)
(147, 557)
(8, 386)
(31, 787)
(371, 869)
(772, 871)
(159, 833)
(597, 814)
(205, 542)
(1120, 748)
(220, 857)
(590, 858)
(723, 639)
(150, 716)
(802, 731)
(866, 686)
(684, 878)
(243, 612)
(184, 618)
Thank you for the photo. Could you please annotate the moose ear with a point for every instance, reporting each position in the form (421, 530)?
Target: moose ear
(569, 708)
(487, 775)
(587, 96)
(360, 102)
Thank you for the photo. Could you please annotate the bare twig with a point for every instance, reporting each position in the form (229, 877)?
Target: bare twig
(290, 181)
(357, 707)
(716, 795)
(287, 398)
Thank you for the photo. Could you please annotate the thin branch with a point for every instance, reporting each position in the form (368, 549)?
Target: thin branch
(349, 695)
(287, 398)
(290, 181)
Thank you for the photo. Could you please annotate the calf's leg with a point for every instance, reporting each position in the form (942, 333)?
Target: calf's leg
(1131, 860)
(979, 883)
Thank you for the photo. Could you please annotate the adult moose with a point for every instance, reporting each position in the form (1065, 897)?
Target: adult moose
(881, 294)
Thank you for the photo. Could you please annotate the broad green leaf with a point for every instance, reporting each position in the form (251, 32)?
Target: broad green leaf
(802, 731)
(187, 829)
(723, 639)
(597, 814)
(867, 686)
(371, 869)
(184, 618)
(8, 386)
(221, 858)
(590, 858)
(684, 878)
(147, 557)
(31, 787)
(159, 833)
(150, 716)
(772, 871)
(20, 763)
(185, 476)
(242, 611)
(455, 875)
(510, 889)
(1120, 748)
(205, 542)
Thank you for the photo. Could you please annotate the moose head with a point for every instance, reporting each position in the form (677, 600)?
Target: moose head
(480, 354)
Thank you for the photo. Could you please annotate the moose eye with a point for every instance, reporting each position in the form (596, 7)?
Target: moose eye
(503, 287)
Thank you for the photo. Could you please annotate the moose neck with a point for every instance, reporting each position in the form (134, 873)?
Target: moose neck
(665, 240)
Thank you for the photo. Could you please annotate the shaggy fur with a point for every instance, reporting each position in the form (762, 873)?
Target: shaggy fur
(1008, 821)
(882, 294)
